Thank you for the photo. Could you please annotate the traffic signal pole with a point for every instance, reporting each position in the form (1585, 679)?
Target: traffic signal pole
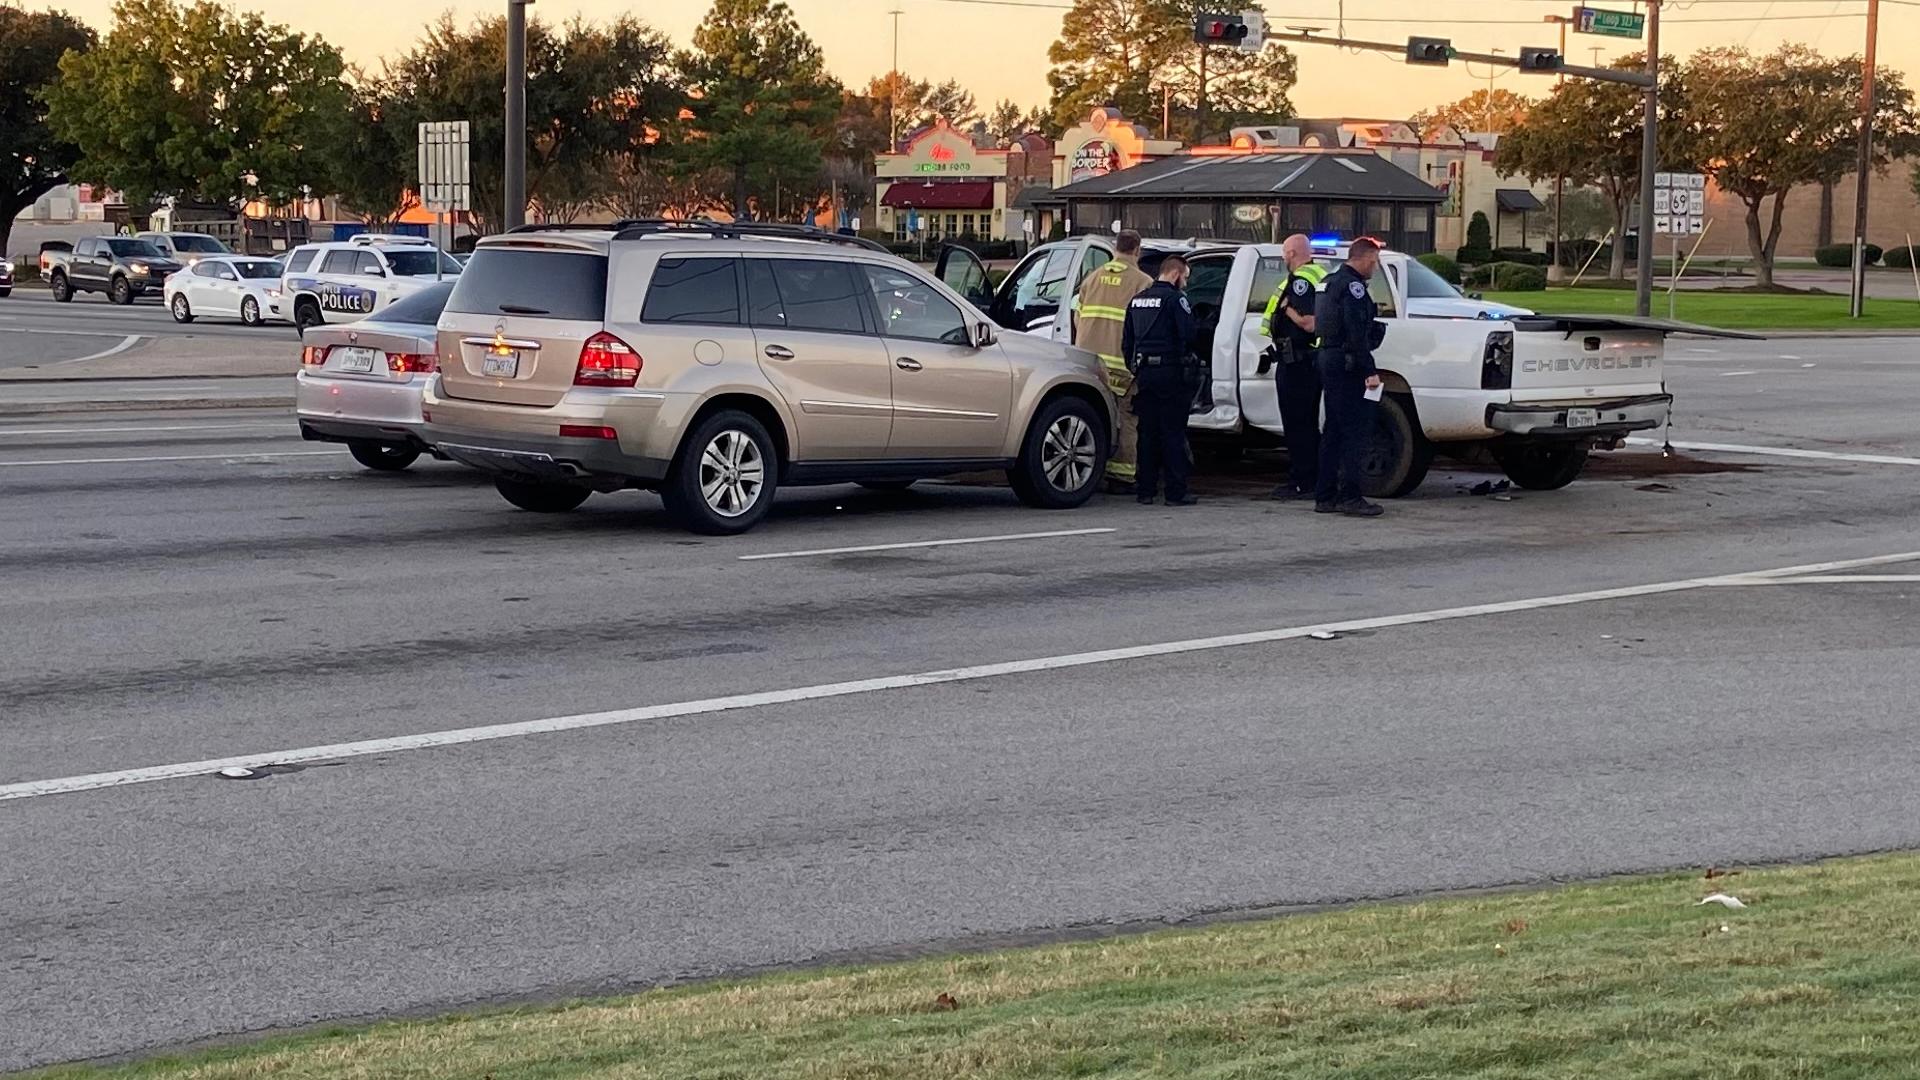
(1649, 163)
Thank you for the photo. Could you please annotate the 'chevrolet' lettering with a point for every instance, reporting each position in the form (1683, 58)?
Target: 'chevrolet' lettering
(1588, 363)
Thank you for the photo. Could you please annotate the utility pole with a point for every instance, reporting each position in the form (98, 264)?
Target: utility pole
(1200, 112)
(1555, 271)
(1858, 305)
(893, 87)
(1649, 163)
(514, 213)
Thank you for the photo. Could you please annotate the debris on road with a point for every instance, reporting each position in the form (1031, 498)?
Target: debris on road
(945, 1003)
(234, 772)
(1723, 900)
(1656, 486)
(1324, 635)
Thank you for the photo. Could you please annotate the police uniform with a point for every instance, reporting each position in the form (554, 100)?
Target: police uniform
(1297, 378)
(1158, 343)
(1099, 322)
(1344, 320)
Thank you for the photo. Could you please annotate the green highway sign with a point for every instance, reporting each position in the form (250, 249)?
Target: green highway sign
(1628, 24)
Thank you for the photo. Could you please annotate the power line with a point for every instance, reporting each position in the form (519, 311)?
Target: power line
(1446, 21)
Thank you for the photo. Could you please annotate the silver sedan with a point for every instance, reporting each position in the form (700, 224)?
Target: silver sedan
(360, 382)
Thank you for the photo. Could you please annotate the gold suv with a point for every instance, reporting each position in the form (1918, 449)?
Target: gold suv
(713, 363)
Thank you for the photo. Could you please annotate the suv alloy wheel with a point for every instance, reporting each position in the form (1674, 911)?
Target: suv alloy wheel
(724, 479)
(1063, 458)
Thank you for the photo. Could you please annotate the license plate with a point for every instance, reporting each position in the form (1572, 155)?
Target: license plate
(1577, 418)
(363, 360)
(505, 366)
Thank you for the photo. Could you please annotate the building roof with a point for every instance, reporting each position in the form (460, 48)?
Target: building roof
(940, 195)
(1295, 174)
(1032, 195)
(1517, 200)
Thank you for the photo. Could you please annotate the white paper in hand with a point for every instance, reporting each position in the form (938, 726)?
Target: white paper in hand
(1374, 393)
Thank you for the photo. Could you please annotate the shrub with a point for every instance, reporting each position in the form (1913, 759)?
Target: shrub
(1448, 269)
(1479, 246)
(1900, 258)
(1521, 255)
(1841, 255)
(1508, 277)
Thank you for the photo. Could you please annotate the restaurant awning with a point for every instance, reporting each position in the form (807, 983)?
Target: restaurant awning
(1517, 201)
(944, 195)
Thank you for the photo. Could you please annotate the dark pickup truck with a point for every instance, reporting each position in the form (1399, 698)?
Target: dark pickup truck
(123, 267)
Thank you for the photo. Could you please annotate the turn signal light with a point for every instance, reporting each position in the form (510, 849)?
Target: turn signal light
(405, 362)
(605, 360)
(313, 355)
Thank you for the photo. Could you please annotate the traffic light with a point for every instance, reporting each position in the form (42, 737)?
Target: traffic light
(1429, 50)
(1547, 60)
(1219, 30)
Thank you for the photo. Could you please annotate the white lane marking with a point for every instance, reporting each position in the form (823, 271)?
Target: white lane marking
(169, 457)
(126, 343)
(1786, 356)
(4, 432)
(61, 333)
(1841, 579)
(1731, 374)
(925, 544)
(30, 789)
(1781, 451)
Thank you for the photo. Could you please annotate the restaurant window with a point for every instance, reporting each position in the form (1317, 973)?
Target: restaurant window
(1193, 219)
(1380, 221)
(1340, 219)
(1092, 217)
(1248, 221)
(1300, 216)
(1415, 230)
(1145, 218)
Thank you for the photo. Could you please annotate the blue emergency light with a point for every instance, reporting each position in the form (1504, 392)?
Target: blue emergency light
(1325, 241)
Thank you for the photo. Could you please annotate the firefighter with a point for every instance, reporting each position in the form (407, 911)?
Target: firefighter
(1099, 316)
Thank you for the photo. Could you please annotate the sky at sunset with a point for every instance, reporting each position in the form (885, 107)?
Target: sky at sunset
(999, 49)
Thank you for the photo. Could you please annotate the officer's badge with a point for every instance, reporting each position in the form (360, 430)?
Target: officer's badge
(1300, 287)
(1358, 290)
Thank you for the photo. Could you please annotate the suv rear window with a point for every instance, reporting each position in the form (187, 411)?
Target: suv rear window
(543, 284)
(693, 291)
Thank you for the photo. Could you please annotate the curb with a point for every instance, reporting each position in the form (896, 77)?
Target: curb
(45, 408)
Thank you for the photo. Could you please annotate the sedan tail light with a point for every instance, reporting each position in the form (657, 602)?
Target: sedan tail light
(605, 360)
(313, 355)
(410, 362)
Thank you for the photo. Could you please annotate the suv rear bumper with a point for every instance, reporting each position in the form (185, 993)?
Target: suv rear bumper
(525, 442)
(1616, 417)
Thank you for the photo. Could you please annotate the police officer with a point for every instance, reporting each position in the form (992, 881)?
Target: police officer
(1158, 344)
(1289, 320)
(1345, 320)
(1099, 315)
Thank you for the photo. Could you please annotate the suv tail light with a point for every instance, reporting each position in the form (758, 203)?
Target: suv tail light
(406, 362)
(605, 360)
(313, 355)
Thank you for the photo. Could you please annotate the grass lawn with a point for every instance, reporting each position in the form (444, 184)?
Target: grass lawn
(1731, 310)
(1818, 977)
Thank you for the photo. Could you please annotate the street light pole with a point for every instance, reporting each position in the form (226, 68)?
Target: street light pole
(1858, 301)
(893, 87)
(1555, 271)
(514, 212)
(1649, 162)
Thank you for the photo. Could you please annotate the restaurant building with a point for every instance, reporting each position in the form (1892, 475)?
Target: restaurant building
(952, 183)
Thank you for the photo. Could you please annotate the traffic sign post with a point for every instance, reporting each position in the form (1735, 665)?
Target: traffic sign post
(445, 175)
(1679, 209)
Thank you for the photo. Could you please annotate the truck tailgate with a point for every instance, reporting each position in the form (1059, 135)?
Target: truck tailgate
(1563, 364)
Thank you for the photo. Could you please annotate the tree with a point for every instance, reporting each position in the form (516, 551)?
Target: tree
(1004, 122)
(1497, 113)
(1583, 215)
(1768, 124)
(763, 104)
(33, 160)
(202, 103)
(1589, 132)
(373, 174)
(1479, 245)
(641, 181)
(1129, 53)
(948, 100)
(592, 91)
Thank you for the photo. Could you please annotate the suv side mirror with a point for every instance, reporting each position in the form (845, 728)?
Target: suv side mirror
(983, 335)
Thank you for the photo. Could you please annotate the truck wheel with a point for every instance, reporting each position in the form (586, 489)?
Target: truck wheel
(724, 477)
(541, 498)
(1398, 458)
(62, 290)
(121, 291)
(1063, 457)
(1541, 465)
(306, 315)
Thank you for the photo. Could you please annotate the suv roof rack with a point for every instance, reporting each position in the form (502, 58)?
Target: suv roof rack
(572, 226)
(636, 228)
(386, 238)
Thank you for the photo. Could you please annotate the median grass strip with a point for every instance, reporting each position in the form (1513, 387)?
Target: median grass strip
(1730, 310)
(1818, 977)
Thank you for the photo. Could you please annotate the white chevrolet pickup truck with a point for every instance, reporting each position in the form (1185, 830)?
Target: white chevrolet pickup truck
(1472, 379)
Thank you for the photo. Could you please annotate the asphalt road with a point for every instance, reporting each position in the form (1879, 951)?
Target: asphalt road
(190, 585)
(36, 332)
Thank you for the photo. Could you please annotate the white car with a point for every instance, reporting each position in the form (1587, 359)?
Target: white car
(348, 280)
(227, 286)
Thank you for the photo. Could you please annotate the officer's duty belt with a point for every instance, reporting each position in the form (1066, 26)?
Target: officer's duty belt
(1165, 361)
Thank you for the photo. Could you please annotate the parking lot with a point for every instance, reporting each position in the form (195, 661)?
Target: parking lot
(546, 755)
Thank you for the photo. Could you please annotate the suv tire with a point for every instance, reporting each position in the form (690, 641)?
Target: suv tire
(62, 288)
(1063, 457)
(723, 479)
(381, 457)
(1541, 465)
(537, 497)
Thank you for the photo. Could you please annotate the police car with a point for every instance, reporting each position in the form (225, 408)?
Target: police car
(348, 280)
